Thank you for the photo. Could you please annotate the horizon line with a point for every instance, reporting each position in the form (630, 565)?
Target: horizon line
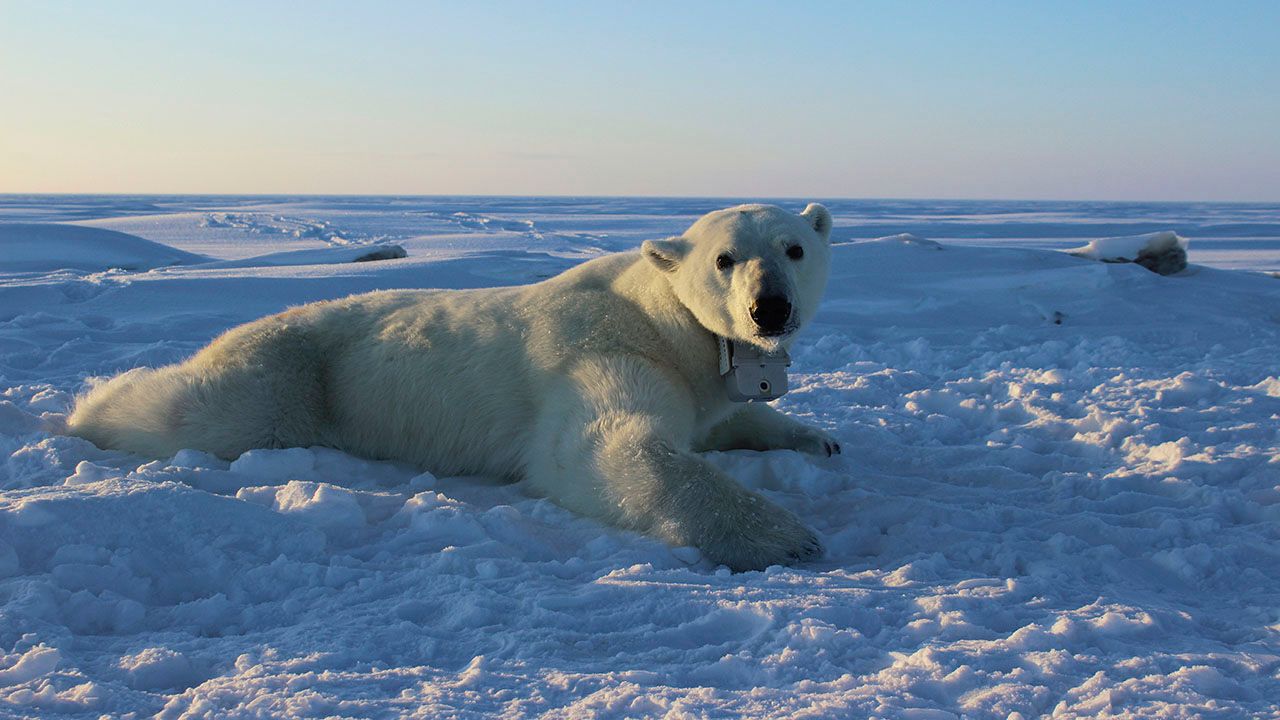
(797, 198)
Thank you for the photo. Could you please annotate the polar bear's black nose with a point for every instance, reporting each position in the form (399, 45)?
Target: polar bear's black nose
(771, 313)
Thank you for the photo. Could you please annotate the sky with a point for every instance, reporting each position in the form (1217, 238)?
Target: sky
(1085, 100)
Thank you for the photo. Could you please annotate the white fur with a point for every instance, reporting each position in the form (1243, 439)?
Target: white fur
(596, 386)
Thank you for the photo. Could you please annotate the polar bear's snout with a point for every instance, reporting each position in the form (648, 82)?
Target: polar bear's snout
(770, 313)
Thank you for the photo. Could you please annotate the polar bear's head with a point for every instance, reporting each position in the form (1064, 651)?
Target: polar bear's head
(752, 273)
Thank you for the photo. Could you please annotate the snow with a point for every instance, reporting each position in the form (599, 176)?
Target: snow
(1059, 493)
(37, 661)
(158, 668)
(42, 247)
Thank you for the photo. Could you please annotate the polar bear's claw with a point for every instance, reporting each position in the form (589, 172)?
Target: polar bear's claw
(812, 550)
(816, 442)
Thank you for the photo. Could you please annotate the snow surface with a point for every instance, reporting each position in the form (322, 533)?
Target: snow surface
(43, 247)
(1059, 494)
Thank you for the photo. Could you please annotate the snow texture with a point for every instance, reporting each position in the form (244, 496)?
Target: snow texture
(1059, 493)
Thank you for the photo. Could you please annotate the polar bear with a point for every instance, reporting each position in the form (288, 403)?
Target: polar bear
(597, 387)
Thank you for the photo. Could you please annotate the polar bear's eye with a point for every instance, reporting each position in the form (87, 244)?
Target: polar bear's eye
(795, 252)
(724, 262)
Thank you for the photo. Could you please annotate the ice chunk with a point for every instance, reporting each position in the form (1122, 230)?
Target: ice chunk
(321, 503)
(156, 668)
(1164, 252)
(292, 463)
(87, 472)
(39, 660)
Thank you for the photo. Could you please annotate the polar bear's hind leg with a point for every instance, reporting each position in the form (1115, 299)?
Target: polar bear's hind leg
(259, 386)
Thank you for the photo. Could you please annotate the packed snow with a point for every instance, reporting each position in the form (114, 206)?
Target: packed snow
(1059, 493)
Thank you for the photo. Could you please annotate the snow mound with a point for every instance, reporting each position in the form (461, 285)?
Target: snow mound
(43, 247)
(35, 662)
(908, 239)
(317, 256)
(1164, 253)
(158, 668)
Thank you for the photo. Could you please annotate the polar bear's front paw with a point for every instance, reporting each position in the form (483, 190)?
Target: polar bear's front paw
(766, 535)
(814, 442)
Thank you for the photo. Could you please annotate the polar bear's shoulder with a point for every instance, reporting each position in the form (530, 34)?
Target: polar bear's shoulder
(597, 274)
(590, 309)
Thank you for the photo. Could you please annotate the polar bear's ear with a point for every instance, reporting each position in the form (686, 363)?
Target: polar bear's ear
(665, 254)
(819, 219)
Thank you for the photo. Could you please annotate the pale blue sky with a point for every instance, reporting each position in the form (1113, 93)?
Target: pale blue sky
(1089, 100)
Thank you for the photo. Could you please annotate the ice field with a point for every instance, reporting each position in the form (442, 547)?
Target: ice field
(1059, 492)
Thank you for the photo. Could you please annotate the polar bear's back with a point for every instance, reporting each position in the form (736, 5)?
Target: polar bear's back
(439, 379)
(454, 381)
(451, 381)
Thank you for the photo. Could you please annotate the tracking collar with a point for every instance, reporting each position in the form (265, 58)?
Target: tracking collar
(750, 373)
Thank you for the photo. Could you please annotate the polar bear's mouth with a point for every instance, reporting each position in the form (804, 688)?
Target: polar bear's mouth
(781, 332)
(771, 340)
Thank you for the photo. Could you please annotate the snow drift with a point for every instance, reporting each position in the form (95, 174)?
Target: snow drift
(42, 247)
(316, 256)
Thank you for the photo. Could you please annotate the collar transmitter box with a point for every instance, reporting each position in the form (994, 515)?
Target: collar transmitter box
(752, 374)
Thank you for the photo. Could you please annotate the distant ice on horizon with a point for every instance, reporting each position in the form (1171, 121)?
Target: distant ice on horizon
(1224, 235)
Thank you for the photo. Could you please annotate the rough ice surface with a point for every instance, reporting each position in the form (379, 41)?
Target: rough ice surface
(1059, 493)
